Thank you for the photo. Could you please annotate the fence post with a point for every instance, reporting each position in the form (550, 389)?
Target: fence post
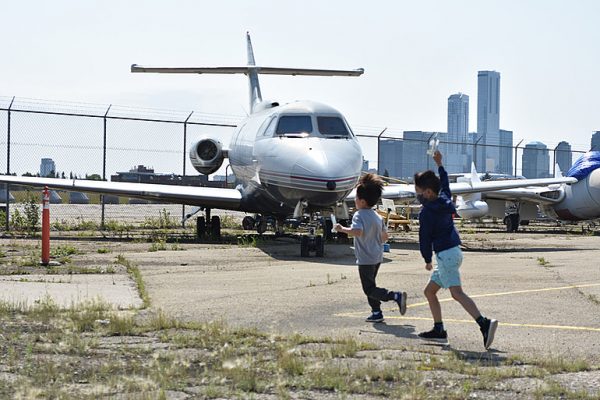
(184, 154)
(517, 148)
(378, 151)
(104, 165)
(8, 165)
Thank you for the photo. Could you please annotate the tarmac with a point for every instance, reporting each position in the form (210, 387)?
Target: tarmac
(543, 288)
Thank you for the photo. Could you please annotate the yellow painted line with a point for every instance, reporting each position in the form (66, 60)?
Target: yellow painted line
(352, 314)
(465, 321)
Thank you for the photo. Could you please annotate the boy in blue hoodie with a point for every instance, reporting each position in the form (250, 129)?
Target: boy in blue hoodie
(437, 231)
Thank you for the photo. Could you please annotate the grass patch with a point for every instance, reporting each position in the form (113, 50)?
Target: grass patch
(136, 275)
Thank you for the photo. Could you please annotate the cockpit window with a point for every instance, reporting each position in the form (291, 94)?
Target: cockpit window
(294, 125)
(332, 126)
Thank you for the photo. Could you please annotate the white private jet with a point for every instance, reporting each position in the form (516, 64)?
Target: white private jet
(294, 160)
(575, 202)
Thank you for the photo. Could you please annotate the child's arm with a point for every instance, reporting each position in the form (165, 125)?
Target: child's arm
(425, 243)
(444, 182)
(355, 229)
(348, 231)
(384, 236)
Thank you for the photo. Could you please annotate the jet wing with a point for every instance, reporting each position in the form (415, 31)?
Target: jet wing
(489, 186)
(228, 199)
(407, 192)
(538, 195)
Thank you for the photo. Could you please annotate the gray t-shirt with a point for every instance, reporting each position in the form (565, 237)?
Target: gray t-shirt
(368, 247)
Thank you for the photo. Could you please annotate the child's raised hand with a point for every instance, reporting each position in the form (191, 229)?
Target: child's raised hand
(428, 266)
(437, 157)
(338, 227)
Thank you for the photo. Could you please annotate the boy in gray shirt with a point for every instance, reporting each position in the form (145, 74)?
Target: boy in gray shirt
(370, 233)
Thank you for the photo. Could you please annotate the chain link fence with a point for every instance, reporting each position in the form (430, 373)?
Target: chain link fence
(91, 141)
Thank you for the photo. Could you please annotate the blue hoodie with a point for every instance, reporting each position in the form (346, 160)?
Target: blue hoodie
(436, 227)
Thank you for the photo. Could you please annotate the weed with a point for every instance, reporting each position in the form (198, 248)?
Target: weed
(542, 261)
(135, 273)
(104, 250)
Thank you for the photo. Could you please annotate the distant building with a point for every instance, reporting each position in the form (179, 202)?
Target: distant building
(564, 156)
(458, 128)
(505, 165)
(365, 166)
(142, 174)
(488, 120)
(391, 157)
(595, 141)
(47, 167)
(536, 161)
(414, 152)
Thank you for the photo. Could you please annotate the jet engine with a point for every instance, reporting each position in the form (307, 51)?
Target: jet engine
(207, 155)
(472, 209)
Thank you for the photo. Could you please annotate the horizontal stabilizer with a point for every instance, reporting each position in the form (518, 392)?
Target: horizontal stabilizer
(246, 70)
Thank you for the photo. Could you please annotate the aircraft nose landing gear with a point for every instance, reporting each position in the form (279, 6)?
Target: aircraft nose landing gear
(312, 243)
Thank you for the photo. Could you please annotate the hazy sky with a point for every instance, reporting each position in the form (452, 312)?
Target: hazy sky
(415, 54)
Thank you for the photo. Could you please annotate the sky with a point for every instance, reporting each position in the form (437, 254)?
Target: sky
(415, 54)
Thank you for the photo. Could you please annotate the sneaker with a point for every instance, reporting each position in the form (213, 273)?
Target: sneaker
(401, 302)
(488, 330)
(434, 335)
(375, 317)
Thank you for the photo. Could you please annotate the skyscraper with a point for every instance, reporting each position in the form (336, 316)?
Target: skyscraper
(458, 128)
(392, 157)
(536, 161)
(505, 164)
(595, 141)
(488, 120)
(564, 156)
(47, 167)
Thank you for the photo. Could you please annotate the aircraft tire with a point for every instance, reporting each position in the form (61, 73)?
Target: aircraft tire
(512, 223)
(320, 246)
(248, 223)
(200, 227)
(215, 227)
(262, 226)
(304, 246)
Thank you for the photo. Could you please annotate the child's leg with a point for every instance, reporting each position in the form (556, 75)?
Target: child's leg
(434, 305)
(375, 295)
(465, 301)
(368, 273)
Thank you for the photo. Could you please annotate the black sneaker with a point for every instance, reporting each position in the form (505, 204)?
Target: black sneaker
(375, 317)
(488, 330)
(401, 302)
(434, 335)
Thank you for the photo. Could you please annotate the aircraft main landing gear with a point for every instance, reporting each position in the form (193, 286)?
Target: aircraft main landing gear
(213, 227)
(512, 222)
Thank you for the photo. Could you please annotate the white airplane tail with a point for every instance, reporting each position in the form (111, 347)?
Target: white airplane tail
(251, 70)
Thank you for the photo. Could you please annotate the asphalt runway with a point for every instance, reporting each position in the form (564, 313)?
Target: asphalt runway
(543, 288)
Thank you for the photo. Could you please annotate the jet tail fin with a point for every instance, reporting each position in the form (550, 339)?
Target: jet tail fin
(474, 179)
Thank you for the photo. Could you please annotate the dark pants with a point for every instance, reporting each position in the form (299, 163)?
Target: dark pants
(375, 295)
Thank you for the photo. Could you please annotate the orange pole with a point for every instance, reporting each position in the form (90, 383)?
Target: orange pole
(46, 227)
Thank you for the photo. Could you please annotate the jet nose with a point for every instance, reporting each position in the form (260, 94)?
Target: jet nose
(322, 171)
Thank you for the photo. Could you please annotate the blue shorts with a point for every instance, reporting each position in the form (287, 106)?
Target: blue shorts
(445, 273)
